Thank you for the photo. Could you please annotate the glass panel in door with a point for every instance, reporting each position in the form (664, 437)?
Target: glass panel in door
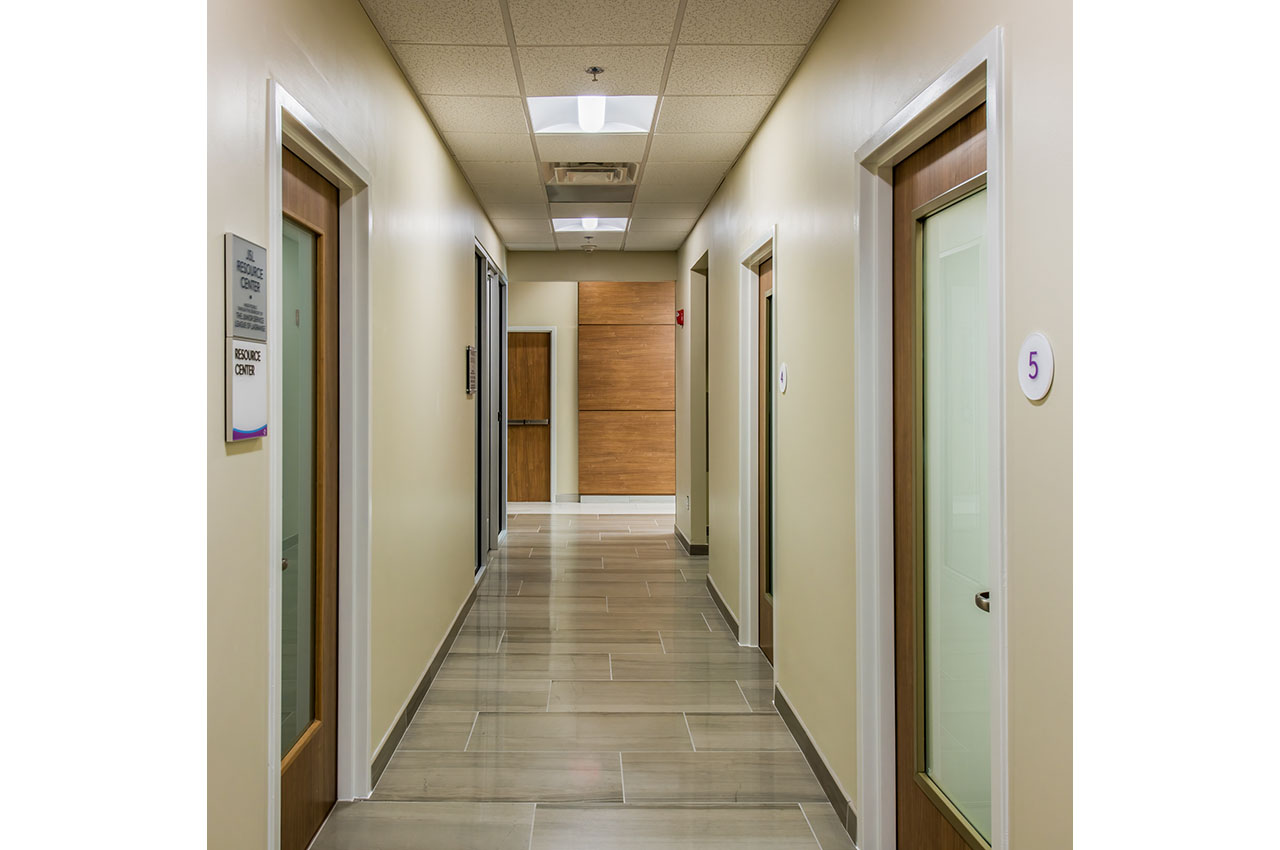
(297, 445)
(957, 633)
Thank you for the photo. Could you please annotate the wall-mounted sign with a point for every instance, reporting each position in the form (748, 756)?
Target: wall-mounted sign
(782, 378)
(473, 372)
(246, 401)
(246, 390)
(246, 289)
(1035, 366)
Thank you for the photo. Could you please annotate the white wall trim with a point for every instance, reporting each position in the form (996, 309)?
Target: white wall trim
(551, 329)
(288, 121)
(749, 436)
(977, 77)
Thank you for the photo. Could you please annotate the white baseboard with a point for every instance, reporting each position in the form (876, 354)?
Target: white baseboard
(662, 500)
(566, 497)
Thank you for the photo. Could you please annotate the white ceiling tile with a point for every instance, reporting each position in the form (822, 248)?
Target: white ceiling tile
(523, 229)
(597, 22)
(751, 21)
(597, 210)
(476, 114)
(667, 211)
(591, 147)
(494, 194)
(663, 225)
(445, 69)
(655, 241)
(737, 69)
(497, 211)
(502, 172)
(576, 239)
(674, 193)
(682, 173)
(712, 114)
(697, 147)
(490, 147)
(531, 246)
(455, 22)
(550, 71)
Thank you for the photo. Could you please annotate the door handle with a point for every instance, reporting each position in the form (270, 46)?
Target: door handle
(284, 564)
(517, 421)
(983, 600)
(537, 421)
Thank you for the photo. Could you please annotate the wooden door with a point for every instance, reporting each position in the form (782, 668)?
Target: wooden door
(944, 167)
(529, 420)
(765, 447)
(309, 443)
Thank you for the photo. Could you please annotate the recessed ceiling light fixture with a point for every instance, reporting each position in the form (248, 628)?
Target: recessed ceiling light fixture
(592, 113)
(589, 223)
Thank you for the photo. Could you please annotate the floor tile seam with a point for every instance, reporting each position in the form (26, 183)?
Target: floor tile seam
(534, 819)
(810, 825)
(474, 721)
(689, 728)
(594, 752)
(622, 778)
(744, 695)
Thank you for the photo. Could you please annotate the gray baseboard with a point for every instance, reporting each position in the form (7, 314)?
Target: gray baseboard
(690, 548)
(842, 804)
(411, 708)
(724, 609)
(566, 497)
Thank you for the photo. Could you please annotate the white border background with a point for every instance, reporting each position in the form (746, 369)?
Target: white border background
(1176, 448)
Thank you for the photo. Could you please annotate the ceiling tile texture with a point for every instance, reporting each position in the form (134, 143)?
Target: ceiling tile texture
(715, 67)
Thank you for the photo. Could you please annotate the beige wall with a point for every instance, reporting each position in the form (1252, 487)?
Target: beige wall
(554, 303)
(326, 54)
(798, 174)
(599, 265)
(543, 290)
(691, 408)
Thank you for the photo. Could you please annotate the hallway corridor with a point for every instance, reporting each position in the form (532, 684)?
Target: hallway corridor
(594, 698)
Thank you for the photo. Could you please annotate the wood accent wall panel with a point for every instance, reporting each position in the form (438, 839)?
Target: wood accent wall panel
(627, 452)
(610, 302)
(626, 388)
(627, 367)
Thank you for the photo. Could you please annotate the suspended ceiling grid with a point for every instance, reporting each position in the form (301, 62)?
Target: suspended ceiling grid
(716, 66)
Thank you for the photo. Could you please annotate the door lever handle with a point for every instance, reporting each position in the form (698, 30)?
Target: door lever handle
(983, 600)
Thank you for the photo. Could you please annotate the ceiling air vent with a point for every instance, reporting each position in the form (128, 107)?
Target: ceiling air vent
(589, 173)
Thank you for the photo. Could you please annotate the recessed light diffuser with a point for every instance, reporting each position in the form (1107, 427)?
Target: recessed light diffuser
(589, 223)
(590, 113)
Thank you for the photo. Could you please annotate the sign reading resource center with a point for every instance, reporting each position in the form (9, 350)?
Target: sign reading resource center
(246, 339)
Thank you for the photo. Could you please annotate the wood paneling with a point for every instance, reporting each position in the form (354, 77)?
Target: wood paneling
(626, 452)
(529, 397)
(956, 155)
(627, 367)
(626, 388)
(309, 771)
(626, 303)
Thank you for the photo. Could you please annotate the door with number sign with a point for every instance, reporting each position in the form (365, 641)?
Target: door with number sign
(942, 628)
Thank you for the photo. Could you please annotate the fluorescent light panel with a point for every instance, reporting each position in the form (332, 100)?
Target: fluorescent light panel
(589, 224)
(582, 114)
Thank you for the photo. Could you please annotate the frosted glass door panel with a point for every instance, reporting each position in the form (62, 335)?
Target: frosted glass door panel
(957, 634)
(297, 444)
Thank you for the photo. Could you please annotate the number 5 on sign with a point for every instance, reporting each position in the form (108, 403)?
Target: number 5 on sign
(1035, 366)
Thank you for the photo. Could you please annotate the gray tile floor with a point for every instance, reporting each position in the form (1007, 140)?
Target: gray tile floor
(595, 698)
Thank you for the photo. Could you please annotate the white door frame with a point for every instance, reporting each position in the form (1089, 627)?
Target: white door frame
(976, 78)
(749, 431)
(551, 329)
(291, 124)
